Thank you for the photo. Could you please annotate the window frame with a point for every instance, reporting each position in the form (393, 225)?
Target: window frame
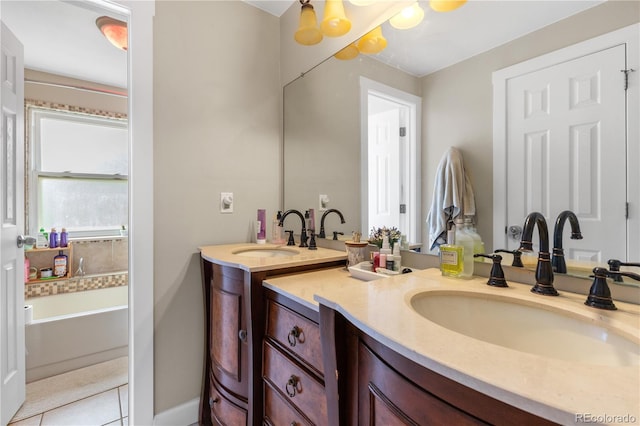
(35, 115)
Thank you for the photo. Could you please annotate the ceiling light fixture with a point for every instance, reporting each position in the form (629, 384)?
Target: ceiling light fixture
(409, 17)
(446, 5)
(349, 52)
(372, 42)
(335, 22)
(308, 32)
(114, 30)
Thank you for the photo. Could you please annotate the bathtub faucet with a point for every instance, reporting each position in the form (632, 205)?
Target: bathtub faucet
(80, 271)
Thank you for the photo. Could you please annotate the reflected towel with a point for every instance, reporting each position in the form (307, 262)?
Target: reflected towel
(452, 195)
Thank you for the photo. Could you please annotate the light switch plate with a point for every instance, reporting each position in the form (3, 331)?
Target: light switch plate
(226, 202)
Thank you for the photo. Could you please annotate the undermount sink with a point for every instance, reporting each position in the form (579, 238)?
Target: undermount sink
(266, 252)
(528, 328)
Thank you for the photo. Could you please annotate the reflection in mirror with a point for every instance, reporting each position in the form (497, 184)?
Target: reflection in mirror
(322, 154)
(456, 108)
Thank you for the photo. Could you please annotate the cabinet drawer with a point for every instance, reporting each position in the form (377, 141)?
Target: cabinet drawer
(301, 390)
(298, 334)
(223, 411)
(278, 412)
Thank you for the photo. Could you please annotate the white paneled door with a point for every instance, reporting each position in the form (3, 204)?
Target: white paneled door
(565, 141)
(384, 166)
(12, 349)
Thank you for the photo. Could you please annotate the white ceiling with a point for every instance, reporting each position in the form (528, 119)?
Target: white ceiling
(61, 37)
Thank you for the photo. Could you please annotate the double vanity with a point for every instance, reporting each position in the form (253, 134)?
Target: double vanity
(292, 338)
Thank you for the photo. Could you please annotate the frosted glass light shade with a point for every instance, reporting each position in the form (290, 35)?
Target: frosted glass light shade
(349, 52)
(308, 32)
(409, 17)
(372, 42)
(114, 30)
(335, 22)
(446, 5)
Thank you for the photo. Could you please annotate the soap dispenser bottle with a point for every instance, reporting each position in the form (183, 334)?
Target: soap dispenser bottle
(60, 264)
(463, 239)
(451, 256)
(478, 245)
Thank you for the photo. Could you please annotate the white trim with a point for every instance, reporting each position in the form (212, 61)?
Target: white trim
(628, 36)
(414, 105)
(183, 414)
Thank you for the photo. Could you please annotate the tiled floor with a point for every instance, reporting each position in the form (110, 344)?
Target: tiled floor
(96, 401)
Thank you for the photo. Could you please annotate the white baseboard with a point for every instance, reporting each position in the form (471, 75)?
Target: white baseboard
(181, 415)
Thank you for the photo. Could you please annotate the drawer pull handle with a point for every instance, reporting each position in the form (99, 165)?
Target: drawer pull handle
(295, 335)
(242, 335)
(293, 386)
(213, 401)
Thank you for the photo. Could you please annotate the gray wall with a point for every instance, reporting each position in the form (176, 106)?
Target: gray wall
(217, 108)
(457, 101)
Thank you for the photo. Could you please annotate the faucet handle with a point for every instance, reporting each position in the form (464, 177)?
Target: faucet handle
(599, 293)
(335, 235)
(517, 257)
(496, 277)
(312, 241)
(291, 241)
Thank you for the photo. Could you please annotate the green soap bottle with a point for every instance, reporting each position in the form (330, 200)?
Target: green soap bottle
(451, 256)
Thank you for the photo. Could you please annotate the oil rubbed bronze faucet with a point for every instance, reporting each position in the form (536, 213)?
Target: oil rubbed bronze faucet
(599, 293)
(322, 233)
(303, 232)
(544, 271)
(614, 266)
(557, 260)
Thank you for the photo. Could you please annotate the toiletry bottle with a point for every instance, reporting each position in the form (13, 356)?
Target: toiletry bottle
(64, 238)
(53, 238)
(478, 245)
(451, 256)
(261, 225)
(385, 252)
(463, 239)
(277, 231)
(312, 220)
(60, 264)
(42, 239)
(397, 259)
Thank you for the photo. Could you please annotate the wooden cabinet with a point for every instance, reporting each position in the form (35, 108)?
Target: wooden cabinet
(294, 390)
(374, 385)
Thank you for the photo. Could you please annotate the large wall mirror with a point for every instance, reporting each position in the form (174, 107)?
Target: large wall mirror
(322, 109)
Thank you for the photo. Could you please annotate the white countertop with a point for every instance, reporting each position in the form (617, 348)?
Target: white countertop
(551, 388)
(226, 255)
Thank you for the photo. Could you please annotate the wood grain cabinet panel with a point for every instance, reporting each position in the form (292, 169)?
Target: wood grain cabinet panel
(386, 398)
(301, 389)
(223, 411)
(296, 333)
(278, 412)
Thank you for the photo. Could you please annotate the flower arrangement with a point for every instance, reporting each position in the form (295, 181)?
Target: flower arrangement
(378, 234)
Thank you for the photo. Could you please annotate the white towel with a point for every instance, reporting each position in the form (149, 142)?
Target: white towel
(452, 195)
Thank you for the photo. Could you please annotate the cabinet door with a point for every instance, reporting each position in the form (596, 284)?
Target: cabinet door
(223, 411)
(228, 351)
(386, 398)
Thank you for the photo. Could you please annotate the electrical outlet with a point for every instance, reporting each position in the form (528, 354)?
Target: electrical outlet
(226, 202)
(323, 202)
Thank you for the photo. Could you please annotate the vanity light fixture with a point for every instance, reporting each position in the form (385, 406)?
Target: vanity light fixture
(308, 32)
(409, 17)
(335, 23)
(372, 42)
(349, 52)
(446, 5)
(114, 30)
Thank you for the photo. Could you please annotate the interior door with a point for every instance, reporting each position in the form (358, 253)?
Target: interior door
(384, 166)
(12, 346)
(565, 130)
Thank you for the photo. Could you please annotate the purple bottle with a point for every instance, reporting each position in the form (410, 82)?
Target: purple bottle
(53, 238)
(64, 238)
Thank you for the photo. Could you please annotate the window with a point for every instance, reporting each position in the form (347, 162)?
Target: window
(79, 168)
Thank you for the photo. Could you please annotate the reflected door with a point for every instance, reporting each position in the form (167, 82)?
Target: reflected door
(565, 139)
(384, 168)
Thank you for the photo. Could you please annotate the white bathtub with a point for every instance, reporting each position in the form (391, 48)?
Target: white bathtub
(75, 330)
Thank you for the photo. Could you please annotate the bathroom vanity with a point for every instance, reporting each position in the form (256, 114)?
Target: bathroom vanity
(306, 343)
(235, 312)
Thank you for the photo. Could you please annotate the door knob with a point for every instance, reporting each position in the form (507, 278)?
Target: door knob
(22, 240)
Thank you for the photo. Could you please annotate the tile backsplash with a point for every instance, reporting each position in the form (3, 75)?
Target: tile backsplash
(101, 256)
